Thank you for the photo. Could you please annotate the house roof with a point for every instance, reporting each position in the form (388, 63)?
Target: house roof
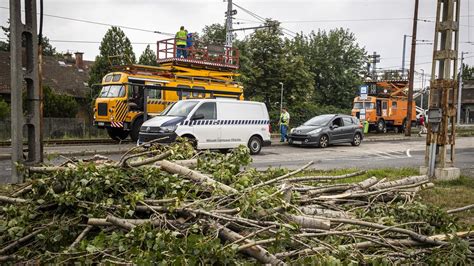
(59, 74)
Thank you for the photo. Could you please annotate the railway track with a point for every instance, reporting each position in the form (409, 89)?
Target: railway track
(73, 142)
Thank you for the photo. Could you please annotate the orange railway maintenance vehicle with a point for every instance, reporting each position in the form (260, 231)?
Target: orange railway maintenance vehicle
(384, 106)
(134, 92)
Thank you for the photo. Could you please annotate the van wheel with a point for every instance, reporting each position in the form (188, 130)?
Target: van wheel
(137, 124)
(191, 139)
(323, 141)
(381, 127)
(117, 134)
(356, 140)
(255, 145)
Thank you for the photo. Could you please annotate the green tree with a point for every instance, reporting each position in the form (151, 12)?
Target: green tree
(467, 72)
(114, 43)
(267, 60)
(4, 110)
(148, 57)
(337, 63)
(48, 49)
(213, 34)
(57, 105)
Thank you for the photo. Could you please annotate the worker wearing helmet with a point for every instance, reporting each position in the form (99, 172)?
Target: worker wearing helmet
(181, 43)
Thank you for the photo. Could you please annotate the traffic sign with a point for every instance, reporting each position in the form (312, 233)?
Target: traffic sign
(363, 92)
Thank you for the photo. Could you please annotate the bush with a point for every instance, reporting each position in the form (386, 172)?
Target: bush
(57, 105)
(4, 109)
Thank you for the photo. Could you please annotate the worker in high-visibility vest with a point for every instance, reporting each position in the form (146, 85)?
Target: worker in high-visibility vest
(284, 123)
(181, 43)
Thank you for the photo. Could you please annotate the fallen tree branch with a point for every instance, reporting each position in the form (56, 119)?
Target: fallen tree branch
(12, 200)
(465, 208)
(314, 178)
(174, 168)
(404, 181)
(22, 191)
(119, 222)
(309, 222)
(20, 241)
(159, 157)
(283, 177)
(257, 252)
(80, 236)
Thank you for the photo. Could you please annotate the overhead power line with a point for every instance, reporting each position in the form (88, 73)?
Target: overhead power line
(100, 23)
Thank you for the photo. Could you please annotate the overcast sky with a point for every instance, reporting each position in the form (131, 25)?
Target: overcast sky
(360, 16)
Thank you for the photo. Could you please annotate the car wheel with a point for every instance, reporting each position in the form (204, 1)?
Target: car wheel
(356, 140)
(381, 128)
(323, 141)
(255, 145)
(192, 140)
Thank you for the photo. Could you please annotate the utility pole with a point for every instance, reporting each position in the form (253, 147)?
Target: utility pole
(422, 87)
(403, 55)
(374, 59)
(229, 36)
(412, 71)
(31, 118)
(458, 118)
(443, 94)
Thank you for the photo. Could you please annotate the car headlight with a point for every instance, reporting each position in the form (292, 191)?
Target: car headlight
(169, 128)
(292, 130)
(316, 131)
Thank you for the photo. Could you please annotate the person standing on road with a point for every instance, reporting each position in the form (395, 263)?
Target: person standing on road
(284, 123)
(422, 126)
(181, 42)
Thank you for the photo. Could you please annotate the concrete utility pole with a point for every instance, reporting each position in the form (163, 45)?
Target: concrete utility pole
(443, 95)
(458, 118)
(403, 54)
(374, 59)
(422, 88)
(229, 36)
(412, 71)
(31, 119)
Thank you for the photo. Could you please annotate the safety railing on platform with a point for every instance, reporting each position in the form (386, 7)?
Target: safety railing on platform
(168, 51)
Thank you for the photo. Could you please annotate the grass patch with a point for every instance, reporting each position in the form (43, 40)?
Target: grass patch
(453, 194)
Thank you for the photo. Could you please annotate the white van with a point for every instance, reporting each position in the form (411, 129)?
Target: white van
(212, 123)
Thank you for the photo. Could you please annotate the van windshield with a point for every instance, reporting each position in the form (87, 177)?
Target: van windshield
(182, 108)
(112, 91)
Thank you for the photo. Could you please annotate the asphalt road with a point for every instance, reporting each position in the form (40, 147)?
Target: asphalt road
(367, 156)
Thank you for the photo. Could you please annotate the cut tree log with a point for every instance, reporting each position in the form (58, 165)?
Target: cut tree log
(318, 211)
(104, 222)
(191, 163)
(174, 168)
(401, 182)
(365, 184)
(309, 222)
(20, 241)
(119, 222)
(257, 252)
(22, 191)
(80, 236)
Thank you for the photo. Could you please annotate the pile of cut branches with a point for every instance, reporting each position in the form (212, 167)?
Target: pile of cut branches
(174, 205)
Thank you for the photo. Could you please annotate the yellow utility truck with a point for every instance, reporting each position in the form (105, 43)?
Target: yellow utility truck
(134, 92)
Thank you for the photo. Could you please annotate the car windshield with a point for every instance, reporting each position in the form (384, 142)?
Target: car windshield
(112, 91)
(318, 120)
(167, 109)
(182, 108)
(363, 105)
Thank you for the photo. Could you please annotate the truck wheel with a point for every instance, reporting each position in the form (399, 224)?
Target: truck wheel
(117, 134)
(255, 145)
(137, 124)
(381, 127)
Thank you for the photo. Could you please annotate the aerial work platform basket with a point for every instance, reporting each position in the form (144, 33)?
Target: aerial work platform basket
(198, 55)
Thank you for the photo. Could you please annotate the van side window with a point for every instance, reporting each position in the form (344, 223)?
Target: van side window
(394, 105)
(208, 110)
(154, 94)
(384, 105)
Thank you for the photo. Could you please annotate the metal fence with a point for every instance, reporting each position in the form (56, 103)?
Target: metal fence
(60, 128)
